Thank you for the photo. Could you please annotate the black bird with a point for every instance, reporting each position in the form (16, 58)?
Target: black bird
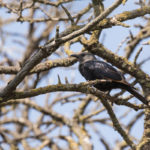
(92, 69)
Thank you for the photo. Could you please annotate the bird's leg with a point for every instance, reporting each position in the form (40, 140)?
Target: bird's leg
(93, 88)
(108, 93)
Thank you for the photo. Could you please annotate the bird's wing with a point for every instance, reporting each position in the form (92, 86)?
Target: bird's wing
(102, 70)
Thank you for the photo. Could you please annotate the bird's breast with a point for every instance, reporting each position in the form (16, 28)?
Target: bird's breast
(86, 72)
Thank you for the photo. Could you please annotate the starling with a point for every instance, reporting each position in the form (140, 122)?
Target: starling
(92, 69)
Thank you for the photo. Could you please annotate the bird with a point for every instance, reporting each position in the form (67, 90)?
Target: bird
(91, 69)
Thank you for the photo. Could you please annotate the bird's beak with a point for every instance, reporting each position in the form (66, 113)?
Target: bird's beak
(75, 55)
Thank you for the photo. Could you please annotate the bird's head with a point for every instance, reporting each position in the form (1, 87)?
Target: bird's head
(84, 56)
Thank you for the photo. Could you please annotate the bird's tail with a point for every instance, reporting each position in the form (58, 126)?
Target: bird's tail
(131, 90)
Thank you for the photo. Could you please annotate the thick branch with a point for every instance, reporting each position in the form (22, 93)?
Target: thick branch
(49, 49)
